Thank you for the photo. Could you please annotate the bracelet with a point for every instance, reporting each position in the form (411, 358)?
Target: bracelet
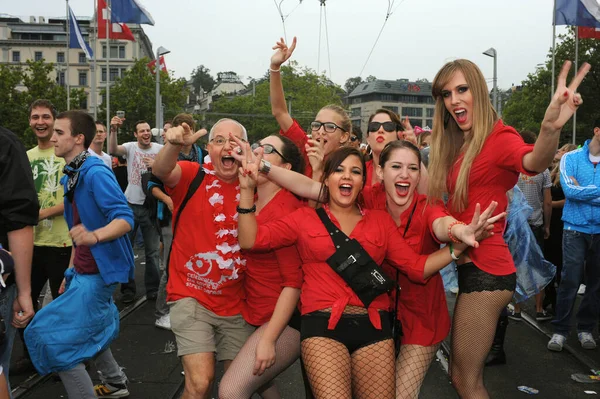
(96, 235)
(452, 252)
(265, 167)
(243, 211)
(450, 236)
(274, 70)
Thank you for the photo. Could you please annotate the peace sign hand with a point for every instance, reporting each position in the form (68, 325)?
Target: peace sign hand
(409, 133)
(282, 54)
(249, 161)
(566, 100)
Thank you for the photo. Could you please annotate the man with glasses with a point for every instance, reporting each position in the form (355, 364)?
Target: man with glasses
(206, 268)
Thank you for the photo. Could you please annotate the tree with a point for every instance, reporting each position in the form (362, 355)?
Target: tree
(201, 78)
(370, 79)
(352, 83)
(526, 107)
(305, 91)
(135, 93)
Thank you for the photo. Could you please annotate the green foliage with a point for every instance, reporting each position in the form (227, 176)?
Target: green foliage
(306, 91)
(202, 78)
(135, 93)
(352, 83)
(526, 107)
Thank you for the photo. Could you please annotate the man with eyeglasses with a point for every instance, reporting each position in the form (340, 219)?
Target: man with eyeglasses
(206, 268)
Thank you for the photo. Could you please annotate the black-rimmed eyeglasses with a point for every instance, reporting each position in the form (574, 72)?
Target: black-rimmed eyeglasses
(268, 149)
(329, 127)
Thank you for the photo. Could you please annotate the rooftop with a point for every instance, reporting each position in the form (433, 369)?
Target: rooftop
(400, 86)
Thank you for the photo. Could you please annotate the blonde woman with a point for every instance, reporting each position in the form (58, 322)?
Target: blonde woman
(475, 158)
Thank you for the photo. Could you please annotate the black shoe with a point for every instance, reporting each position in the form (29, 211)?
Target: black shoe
(543, 316)
(128, 297)
(516, 316)
(497, 355)
(151, 296)
(22, 366)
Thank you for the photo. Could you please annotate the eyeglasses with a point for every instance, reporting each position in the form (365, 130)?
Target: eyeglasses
(329, 127)
(268, 149)
(220, 140)
(387, 126)
(353, 138)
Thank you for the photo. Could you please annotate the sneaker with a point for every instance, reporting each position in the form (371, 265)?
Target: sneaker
(152, 296)
(516, 316)
(128, 297)
(163, 322)
(581, 289)
(543, 316)
(556, 342)
(106, 390)
(586, 340)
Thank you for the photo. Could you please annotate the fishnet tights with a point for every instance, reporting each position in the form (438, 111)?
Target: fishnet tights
(239, 382)
(333, 373)
(473, 328)
(411, 366)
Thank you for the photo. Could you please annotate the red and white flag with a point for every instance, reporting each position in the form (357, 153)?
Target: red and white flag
(588, 33)
(152, 64)
(116, 30)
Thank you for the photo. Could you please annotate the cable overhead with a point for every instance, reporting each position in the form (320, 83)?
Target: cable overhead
(327, 40)
(284, 17)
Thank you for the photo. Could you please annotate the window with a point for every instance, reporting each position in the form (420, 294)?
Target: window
(16, 56)
(82, 78)
(416, 122)
(114, 74)
(356, 100)
(60, 57)
(60, 78)
(430, 112)
(84, 103)
(121, 52)
(409, 99)
(82, 59)
(411, 111)
(386, 97)
(103, 78)
(38, 56)
(429, 123)
(356, 123)
(115, 52)
(356, 111)
(391, 108)
(123, 70)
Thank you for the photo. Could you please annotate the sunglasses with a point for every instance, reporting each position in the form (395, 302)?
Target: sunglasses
(329, 127)
(387, 126)
(268, 149)
(353, 138)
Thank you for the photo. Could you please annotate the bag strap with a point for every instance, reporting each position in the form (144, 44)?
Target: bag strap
(190, 193)
(337, 236)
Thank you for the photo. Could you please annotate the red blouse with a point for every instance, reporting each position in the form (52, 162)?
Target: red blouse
(368, 188)
(322, 288)
(493, 172)
(268, 272)
(422, 309)
(299, 137)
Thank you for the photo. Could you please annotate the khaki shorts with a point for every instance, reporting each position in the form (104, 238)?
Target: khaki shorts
(198, 330)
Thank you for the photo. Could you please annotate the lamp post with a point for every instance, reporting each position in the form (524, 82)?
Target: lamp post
(491, 52)
(159, 51)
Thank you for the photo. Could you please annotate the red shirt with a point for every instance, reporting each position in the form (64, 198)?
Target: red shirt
(422, 309)
(206, 263)
(268, 272)
(493, 172)
(322, 288)
(84, 262)
(299, 137)
(368, 188)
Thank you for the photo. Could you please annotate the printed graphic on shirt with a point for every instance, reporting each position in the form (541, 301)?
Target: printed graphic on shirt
(205, 267)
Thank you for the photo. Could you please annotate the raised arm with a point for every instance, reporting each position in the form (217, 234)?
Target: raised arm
(165, 165)
(113, 147)
(563, 105)
(278, 104)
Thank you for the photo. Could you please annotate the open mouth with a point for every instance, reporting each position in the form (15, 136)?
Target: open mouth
(227, 161)
(346, 190)
(41, 129)
(461, 115)
(402, 189)
(380, 139)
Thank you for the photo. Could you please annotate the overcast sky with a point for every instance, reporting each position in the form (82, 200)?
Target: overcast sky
(418, 38)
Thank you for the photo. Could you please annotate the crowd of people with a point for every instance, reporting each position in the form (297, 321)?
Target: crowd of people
(299, 246)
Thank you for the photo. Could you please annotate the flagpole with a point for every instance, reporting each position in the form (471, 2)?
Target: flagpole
(575, 71)
(68, 24)
(108, 16)
(553, 48)
(94, 40)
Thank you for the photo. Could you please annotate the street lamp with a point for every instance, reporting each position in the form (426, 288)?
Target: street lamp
(491, 52)
(160, 51)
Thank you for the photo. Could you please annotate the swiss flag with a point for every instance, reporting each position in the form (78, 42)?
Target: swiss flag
(116, 30)
(152, 64)
(588, 33)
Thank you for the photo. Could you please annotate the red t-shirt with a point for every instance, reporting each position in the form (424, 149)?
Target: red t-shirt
(422, 309)
(322, 288)
(493, 172)
(299, 137)
(84, 262)
(206, 263)
(268, 272)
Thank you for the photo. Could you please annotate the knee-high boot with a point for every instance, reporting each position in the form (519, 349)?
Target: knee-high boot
(497, 355)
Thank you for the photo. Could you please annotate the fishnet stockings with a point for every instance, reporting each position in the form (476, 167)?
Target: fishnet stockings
(411, 366)
(239, 382)
(473, 328)
(334, 373)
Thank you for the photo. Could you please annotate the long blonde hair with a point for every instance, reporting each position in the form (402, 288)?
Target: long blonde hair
(448, 141)
(555, 168)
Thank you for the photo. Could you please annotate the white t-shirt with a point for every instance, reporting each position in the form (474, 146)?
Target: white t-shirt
(104, 157)
(135, 168)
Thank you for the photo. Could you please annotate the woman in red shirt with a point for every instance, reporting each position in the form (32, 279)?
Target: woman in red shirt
(347, 349)
(272, 284)
(475, 158)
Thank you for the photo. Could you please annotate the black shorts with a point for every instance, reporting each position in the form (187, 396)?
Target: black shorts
(354, 331)
(473, 279)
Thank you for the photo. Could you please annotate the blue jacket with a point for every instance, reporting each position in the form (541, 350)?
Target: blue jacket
(582, 206)
(100, 201)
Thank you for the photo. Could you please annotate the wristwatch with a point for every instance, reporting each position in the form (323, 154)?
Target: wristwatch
(265, 167)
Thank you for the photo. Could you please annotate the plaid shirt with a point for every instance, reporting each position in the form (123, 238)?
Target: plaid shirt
(533, 188)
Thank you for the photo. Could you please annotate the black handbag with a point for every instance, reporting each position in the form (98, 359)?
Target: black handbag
(353, 264)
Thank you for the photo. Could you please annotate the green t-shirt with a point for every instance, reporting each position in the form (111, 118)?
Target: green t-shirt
(47, 171)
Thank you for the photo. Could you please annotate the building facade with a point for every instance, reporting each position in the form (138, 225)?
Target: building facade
(412, 99)
(46, 39)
